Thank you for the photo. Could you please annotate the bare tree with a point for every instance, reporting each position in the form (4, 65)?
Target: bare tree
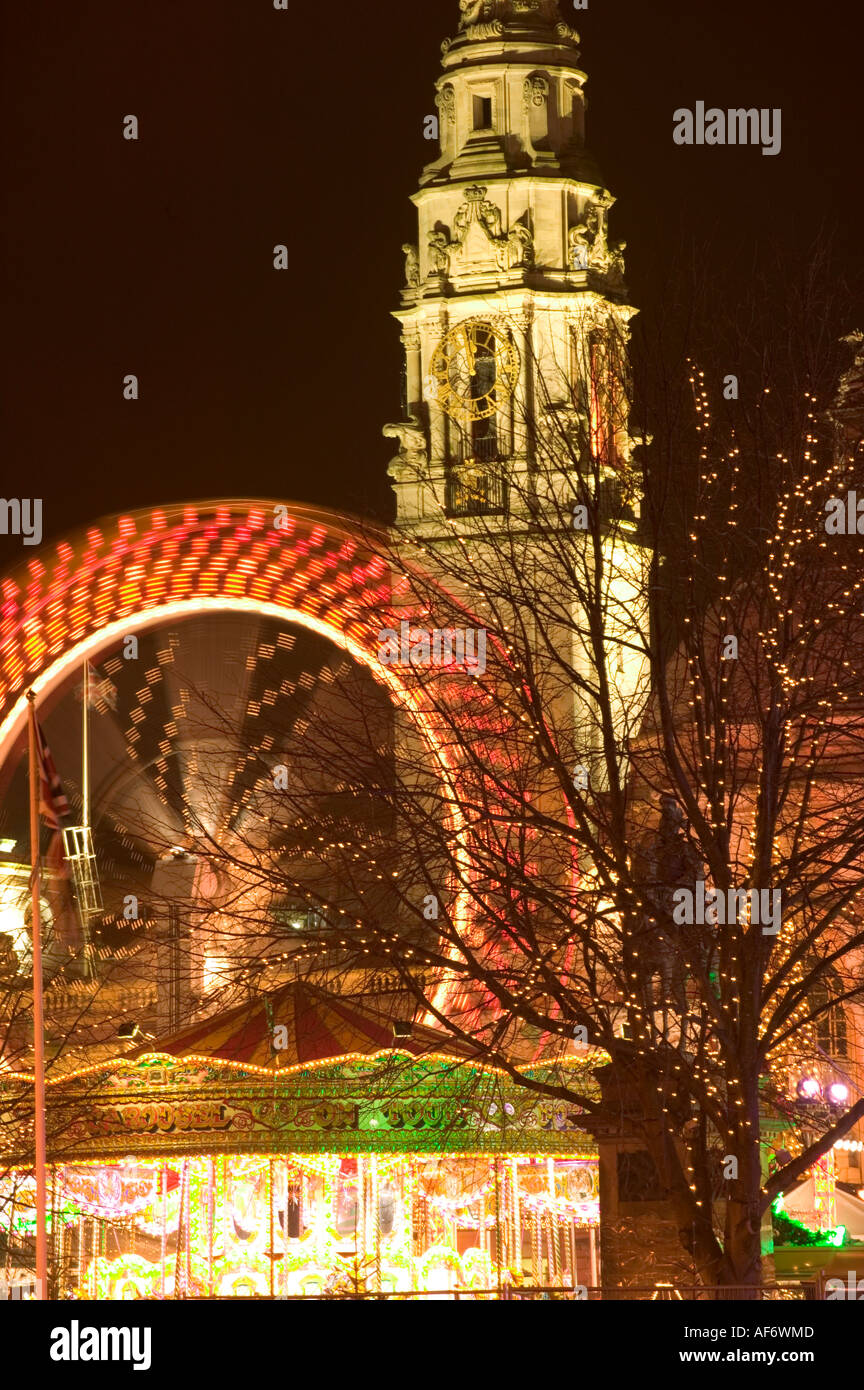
(636, 823)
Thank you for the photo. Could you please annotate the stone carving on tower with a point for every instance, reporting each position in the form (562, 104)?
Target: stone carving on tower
(411, 459)
(478, 214)
(446, 104)
(478, 12)
(412, 265)
(439, 254)
(588, 241)
(535, 91)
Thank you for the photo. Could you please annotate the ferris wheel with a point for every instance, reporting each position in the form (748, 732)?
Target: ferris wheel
(201, 760)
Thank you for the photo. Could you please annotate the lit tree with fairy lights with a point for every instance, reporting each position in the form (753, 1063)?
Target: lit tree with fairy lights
(639, 835)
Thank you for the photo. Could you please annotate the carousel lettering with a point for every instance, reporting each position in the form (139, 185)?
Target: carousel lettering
(162, 1118)
(329, 1115)
(419, 1115)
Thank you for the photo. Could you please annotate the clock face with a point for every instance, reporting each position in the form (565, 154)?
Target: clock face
(473, 370)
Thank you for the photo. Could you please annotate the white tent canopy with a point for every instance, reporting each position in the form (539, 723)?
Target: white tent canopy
(801, 1206)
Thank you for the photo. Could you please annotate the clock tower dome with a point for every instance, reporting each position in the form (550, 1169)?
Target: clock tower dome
(515, 297)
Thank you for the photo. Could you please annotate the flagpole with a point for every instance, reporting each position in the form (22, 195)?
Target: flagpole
(89, 968)
(38, 1013)
(85, 739)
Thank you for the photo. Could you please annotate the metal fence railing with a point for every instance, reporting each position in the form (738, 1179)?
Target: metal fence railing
(476, 492)
(783, 1293)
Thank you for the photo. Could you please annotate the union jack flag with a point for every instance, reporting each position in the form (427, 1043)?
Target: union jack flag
(53, 805)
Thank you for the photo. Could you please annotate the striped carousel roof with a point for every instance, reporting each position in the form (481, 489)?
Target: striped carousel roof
(319, 1026)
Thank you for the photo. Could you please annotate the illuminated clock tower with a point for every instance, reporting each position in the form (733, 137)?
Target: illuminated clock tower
(515, 325)
(514, 305)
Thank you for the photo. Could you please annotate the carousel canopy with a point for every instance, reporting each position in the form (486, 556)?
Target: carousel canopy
(335, 1080)
(303, 1024)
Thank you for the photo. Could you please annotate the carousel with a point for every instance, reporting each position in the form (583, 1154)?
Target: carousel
(348, 1161)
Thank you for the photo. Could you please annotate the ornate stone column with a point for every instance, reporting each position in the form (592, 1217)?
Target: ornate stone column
(414, 385)
(437, 418)
(522, 436)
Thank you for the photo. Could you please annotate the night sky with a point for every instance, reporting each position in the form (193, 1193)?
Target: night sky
(258, 127)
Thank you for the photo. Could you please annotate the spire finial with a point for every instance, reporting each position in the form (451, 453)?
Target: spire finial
(544, 12)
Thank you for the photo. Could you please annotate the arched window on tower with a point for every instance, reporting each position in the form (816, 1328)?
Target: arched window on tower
(484, 426)
(577, 117)
(830, 1022)
(482, 113)
(605, 395)
(609, 390)
(475, 381)
(403, 387)
(601, 399)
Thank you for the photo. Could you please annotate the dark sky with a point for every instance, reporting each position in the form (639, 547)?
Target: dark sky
(259, 126)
